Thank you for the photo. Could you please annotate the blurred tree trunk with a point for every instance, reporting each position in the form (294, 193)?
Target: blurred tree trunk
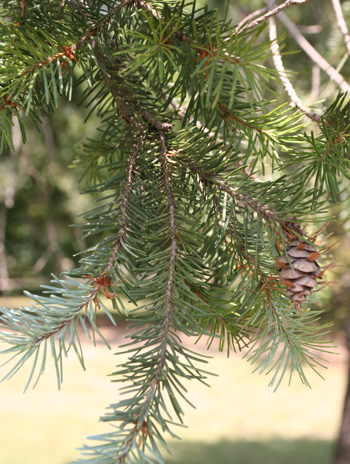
(43, 180)
(8, 202)
(4, 278)
(342, 453)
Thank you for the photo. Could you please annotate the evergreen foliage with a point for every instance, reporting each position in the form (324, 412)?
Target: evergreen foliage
(191, 229)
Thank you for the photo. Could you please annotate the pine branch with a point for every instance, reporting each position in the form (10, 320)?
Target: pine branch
(183, 233)
(124, 207)
(124, 108)
(93, 31)
(166, 324)
(256, 206)
(271, 323)
(341, 23)
(173, 227)
(181, 112)
(97, 27)
(127, 112)
(229, 115)
(68, 52)
(325, 157)
(267, 282)
(150, 369)
(296, 333)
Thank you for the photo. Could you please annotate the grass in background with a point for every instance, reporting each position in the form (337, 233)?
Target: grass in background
(239, 420)
(276, 451)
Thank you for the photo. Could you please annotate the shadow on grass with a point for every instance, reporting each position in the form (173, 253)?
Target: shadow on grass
(276, 451)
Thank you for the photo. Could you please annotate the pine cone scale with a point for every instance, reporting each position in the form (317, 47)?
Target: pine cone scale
(304, 265)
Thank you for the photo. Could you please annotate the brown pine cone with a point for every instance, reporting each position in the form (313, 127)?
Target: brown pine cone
(298, 270)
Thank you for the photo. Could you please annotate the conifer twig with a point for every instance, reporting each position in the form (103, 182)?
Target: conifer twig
(227, 114)
(277, 60)
(181, 111)
(126, 111)
(171, 206)
(124, 206)
(69, 51)
(158, 373)
(103, 280)
(341, 23)
(159, 125)
(313, 53)
(93, 31)
(250, 202)
(255, 205)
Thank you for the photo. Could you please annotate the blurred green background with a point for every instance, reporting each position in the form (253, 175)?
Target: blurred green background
(239, 420)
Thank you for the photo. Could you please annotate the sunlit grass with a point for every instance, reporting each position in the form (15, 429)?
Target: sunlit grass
(273, 451)
(239, 419)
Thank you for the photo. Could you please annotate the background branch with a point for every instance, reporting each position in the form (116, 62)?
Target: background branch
(341, 23)
(245, 21)
(271, 13)
(288, 87)
(313, 53)
(23, 11)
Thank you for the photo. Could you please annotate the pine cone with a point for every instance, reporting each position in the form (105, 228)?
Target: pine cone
(298, 270)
